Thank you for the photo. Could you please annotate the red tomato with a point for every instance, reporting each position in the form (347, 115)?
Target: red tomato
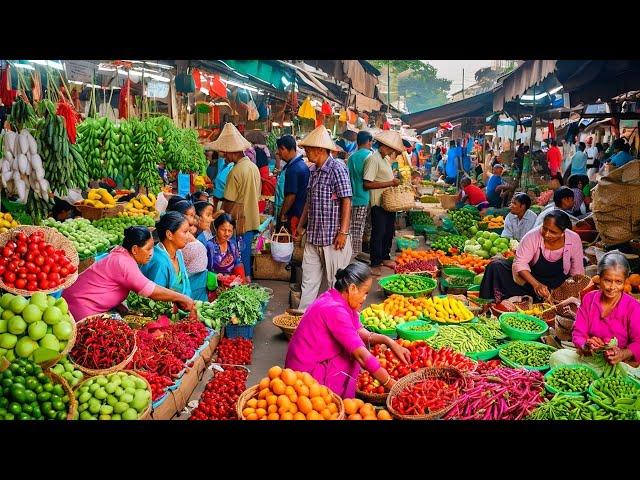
(22, 248)
(45, 268)
(21, 237)
(64, 271)
(9, 277)
(54, 277)
(72, 268)
(55, 268)
(49, 249)
(30, 256)
(39, 260)
(31, 286)
(32, 277)
(48, 260)
(31, 267)
(11, 244)
(7, 252)
(42, 245)
(41, 276)
(21, 283)
(13, 266)
(2, 269)
(21, 263)
(32, 247)
(43, 285)
(64, 261)
(22, 275)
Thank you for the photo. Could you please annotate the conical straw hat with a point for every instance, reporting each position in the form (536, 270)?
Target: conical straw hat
(230, 140)
(319, 137)
(391, 139)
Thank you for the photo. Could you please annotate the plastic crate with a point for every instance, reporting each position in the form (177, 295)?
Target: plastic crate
(235, 331)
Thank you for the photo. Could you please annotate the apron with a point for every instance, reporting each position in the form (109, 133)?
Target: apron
(548, 273)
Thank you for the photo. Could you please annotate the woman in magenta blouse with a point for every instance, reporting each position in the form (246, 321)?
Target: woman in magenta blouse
(605, 314)
(329, 342)
(106, 284)
(545, 258)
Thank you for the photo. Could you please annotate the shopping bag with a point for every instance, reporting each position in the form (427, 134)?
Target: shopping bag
(282, 246)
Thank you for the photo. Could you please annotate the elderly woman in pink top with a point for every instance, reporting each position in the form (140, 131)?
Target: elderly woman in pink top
(605, 314)
(106, 284)
(329, 342)
(545, 258)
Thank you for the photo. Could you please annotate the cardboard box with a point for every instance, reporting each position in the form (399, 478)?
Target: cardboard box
(166, 410)
(190, 381)
(207, 353)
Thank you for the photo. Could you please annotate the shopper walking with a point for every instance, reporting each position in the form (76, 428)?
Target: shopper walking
(554, 159)
(360, 200)
(294, 189)
(378, 176)
(326, 216)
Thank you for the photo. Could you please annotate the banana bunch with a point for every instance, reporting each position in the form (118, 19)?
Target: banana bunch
(99, 198)
(125, 162)
(109, 151)
(22, 115)
(146, 156)
(141, 205)
(37, 207)
(447, 310)
(89, 142)
(166, 130)
(405, 174)
(197, 161)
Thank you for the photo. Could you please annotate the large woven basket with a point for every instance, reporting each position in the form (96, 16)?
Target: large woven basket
(252, 392)
(373, 398)
(448, 202)
(73, 403)
(447, 374)
(59, 242)
(94, 213)
(398, 199)
(146, 414)
(266, 268)
(571, 287)
(112, 369)
(280, 322)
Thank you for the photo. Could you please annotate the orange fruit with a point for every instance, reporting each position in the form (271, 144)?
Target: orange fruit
(384, 415)
(272, 409)
(252, 416)
(263, 393)
(304, 405)
(272, 399)
(286, 416)
(308, 379)
(248, 411)
(263, 418)
(274, 372)
(252, 403)
(324, 391)
(302, 390)
(313, 415)
(334, 416)
(355, 416)
(314, 391)
(367, 409)
(288, 376)
(262, 404)
(326, 414)
(371, 416)
(318, 404)
(273, 416)
(277, 386)
(299, 375)
(299, 416)
(359, 403)
(264, 383)
(261, 412)
(333, 408)
(349, 406)
(282, 411)
(289, 390)
(293, 408)
(327, 399)
(284, 402)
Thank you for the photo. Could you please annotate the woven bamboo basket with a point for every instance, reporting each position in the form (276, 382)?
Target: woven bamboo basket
(86, 263)
(70, 343)
(571, 288)
(94, 213)
(398, 199)
(146, 414)
(252, 392)
(73, 403)
(447, 374)
(266, 268)
(59, 242)
(112, 369)
(281, 322)
(373, 398)
(447, 202)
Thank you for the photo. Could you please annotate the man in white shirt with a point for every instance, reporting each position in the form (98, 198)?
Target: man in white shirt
(521, 219)
(563, 199)
(592, 152)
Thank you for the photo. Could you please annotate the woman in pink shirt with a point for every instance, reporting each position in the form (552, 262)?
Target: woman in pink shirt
(603, 315)
(545, 258)
(106, 284)
(329, 342)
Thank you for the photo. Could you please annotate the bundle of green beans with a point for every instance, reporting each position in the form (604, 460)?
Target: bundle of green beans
(618, 394)
(461, 339)
(524, 324)
(529, 354)
(566, 379)
(566, 407)
(489, 328)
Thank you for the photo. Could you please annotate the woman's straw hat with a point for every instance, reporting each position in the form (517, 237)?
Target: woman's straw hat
(391, 139)
(319, 137)
(230, 140)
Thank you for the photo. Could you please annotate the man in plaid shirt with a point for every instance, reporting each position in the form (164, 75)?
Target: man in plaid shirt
(326, 216)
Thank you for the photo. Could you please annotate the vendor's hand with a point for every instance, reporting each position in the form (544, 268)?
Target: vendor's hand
(391, 383)
(616, 355)
(187, 304)
(402, 353)
(542, 291)
(339, 241)
(594, 343)
(395, 182)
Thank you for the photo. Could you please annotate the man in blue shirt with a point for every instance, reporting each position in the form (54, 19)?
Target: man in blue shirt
(621, 154)
(296, 181)
(453, 163)
(360, 199)
(579, 161)
(495, 186)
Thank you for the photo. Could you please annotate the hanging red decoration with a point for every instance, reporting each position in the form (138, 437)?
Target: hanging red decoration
(71, 118)
(386, 125)
(196, 78)
(123, 104)
(326, 108)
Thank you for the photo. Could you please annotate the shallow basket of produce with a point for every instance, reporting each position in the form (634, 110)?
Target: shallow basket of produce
(287, 323)
(59, 243)
(234, 331)
(103, 345)
(519, 326)
(459, 287)
(409, 285)
(416, 330)
(571, 380)
(95, 213)
(451, 274)
(373, 398)
(616, 393)
(252, 392)
(461, 314)
(427, 394)
(527, 355)
(389, 332)
(126, 394)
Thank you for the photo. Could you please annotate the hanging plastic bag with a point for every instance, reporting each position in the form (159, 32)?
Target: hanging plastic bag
(282, 246)
(306, 110)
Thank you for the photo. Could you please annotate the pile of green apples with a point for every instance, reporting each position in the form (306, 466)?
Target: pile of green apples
(87, 239)
(486, 244)
(115, 226)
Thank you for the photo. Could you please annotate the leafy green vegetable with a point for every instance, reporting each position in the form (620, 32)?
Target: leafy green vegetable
(241, 305)
(147, 307)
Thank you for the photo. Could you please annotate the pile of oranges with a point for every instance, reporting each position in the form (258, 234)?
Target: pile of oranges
(410, 255)
(468, 261)
(289, 395)
(356, 409)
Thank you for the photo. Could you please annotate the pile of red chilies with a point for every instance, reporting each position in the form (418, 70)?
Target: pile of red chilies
(500, 394)
(218, 401)
(426, 397)
(235, 351)
(102, 343)
(159, 383)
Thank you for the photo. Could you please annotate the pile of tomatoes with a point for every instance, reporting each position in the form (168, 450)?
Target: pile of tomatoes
(31, 263)
(235, 351)
(218, 402)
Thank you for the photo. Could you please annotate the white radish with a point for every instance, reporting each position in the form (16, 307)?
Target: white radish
(9, 141)
(33, 145)
(6, 165)
(22, 163)
(44, 186)
(24, 143)
(36, 161)
(39, 172)
(8, 155)
(21, 188)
